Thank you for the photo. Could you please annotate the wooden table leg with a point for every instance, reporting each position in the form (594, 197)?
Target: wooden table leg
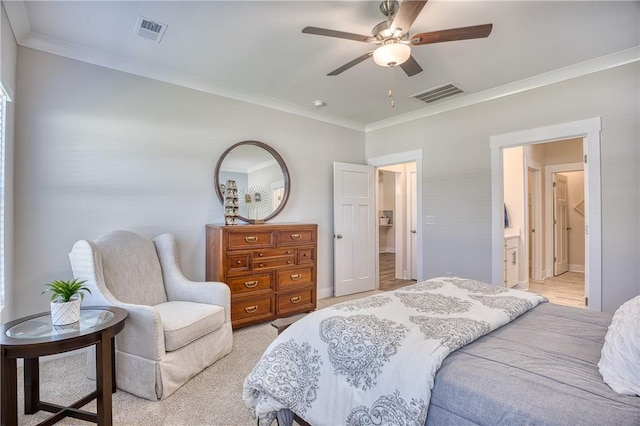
(9, 391)
(113, 364)
(104, 382)
(31, 385)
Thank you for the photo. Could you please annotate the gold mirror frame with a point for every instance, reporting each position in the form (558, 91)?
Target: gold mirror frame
(283, 168)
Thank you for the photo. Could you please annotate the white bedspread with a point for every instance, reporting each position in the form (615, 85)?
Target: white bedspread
(372, 361)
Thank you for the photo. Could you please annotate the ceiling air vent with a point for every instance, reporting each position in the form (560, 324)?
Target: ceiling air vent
(438, 93)
(149, 29)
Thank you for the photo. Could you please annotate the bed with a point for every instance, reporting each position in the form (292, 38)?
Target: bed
(535, 363)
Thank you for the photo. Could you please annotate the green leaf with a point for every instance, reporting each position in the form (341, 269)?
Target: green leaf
(65, 290)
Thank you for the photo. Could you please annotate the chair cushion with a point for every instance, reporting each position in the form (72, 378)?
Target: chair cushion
(185, 322)
(131, 268)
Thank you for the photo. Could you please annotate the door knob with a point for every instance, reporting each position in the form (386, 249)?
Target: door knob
(413, 231)
(339, 236)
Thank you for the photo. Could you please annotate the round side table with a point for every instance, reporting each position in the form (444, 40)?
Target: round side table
(34, 336)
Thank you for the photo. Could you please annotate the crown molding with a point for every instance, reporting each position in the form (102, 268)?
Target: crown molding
(562, 74)
(17, 15)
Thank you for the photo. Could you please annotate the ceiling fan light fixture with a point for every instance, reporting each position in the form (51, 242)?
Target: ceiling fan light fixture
(391, 54)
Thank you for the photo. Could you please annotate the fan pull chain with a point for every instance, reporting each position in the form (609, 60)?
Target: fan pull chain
(393, 103)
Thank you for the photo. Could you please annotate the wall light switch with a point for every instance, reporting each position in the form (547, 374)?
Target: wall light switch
(429, 220)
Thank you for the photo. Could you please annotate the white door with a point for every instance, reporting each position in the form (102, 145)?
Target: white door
(354, 221)
(413, 224)
(561, 225)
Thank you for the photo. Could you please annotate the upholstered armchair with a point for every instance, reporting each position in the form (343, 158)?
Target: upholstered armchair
(175, 327)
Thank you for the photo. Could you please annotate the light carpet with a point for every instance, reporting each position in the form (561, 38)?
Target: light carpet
(213, 397)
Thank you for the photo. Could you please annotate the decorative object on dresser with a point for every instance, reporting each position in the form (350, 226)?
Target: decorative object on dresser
(230, 191)
(270, 269)
(261, 178)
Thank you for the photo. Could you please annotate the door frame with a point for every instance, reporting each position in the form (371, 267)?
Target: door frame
(398, 158)
(589, 129)
(548, 216)
(560, 225)
(536, 256)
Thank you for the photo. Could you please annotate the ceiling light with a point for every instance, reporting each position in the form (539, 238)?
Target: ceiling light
(392, 54)
(319, 103)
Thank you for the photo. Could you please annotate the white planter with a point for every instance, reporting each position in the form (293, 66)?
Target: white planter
(63, 313)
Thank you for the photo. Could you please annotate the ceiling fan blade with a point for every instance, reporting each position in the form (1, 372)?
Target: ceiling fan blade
(337, 34)
(411, 67)
(464, 33)
(348, 65)
(406, 15)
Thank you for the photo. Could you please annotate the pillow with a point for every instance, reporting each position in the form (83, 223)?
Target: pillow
(620, 358)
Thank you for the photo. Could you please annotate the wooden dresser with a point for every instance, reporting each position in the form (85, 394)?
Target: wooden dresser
(270, 269)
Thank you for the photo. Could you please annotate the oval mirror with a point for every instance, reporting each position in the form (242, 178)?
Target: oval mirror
(261, 177)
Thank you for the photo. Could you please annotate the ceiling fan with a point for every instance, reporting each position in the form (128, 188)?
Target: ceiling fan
(393, 39)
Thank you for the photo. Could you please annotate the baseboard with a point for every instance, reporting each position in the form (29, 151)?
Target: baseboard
(522, 285)
(325, 292)
(576, 268)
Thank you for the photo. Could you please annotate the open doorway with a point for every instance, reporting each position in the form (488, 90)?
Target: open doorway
(397, 225)
(589, 130)
(414, 181)
(549, 227)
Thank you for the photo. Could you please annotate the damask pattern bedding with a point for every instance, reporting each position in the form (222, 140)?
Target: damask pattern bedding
(373, 360)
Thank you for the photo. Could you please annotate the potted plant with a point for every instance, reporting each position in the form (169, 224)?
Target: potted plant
(66, 297)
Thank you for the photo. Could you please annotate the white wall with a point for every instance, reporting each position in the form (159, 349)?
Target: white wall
(457, 172)
(99, 150)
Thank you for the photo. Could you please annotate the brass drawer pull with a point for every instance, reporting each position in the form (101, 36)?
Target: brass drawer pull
(251, 239)
(238, 262)
(296, 299)
(295, 236)
(251, 284)
(251, 309)
(295, 277)
(261, 265)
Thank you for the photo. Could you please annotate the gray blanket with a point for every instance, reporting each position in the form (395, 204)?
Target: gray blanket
(541, 369)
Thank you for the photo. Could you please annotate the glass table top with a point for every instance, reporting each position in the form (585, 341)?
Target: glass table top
(41, 326)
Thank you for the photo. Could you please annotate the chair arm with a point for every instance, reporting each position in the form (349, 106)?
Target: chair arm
(143, 333)
(178, 287)
(213, 293)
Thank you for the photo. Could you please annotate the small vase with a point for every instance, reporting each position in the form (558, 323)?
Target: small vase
(63, 313)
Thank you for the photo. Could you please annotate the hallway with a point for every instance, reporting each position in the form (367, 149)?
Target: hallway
(566, 289)
(387, 273)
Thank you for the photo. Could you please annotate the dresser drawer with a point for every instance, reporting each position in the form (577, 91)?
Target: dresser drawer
(294, 277)
(298, 236)
(248, 240)
(306, 255)
(249, 283)
(263, 254)
(239, 262)
(245, 310)
(295, 301)
(273, 262)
